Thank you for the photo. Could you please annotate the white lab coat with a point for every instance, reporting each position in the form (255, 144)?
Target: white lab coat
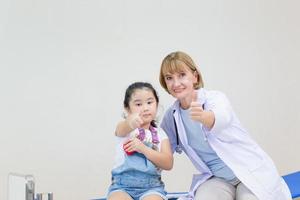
(233, 145)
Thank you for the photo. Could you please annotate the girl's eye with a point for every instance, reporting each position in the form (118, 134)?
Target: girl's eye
(150, 102)
(168, 78)
(138, 104)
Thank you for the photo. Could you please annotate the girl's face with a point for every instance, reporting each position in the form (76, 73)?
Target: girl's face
(180, 84)
(142, 101)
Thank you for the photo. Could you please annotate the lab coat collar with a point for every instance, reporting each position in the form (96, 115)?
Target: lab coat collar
(183, 138)
(197, 162)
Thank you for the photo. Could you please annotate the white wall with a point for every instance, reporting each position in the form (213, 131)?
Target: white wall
(65, 65)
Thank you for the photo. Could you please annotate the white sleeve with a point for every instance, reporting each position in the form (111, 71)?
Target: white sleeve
(162, 134)
(220, 106)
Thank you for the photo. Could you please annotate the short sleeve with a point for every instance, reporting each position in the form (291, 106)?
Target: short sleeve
(162, 134)
(168, 128)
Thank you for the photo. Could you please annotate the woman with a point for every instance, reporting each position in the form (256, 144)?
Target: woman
(203, 124)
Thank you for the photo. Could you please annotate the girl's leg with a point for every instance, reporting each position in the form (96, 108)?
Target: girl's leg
(119, 195)
(215, 189)
(152, 197)
(243, 193)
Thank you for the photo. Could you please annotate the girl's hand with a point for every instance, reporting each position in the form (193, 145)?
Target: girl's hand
(134, 120)
(134, 144)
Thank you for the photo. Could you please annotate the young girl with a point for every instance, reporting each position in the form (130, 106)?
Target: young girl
(203, 124)
(143, 150)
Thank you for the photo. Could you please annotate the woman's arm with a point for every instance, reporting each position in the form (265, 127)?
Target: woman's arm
(197, 113)
(206, 117)
(217, 114)
(222, 110)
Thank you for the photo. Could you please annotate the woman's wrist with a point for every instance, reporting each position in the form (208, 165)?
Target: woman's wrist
(209, 119)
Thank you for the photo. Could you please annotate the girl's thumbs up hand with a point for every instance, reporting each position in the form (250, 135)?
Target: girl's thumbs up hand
(134, 120)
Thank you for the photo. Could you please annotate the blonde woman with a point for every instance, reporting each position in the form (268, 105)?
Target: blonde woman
(203, 124)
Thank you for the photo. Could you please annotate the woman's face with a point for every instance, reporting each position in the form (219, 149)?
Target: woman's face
(181, 83)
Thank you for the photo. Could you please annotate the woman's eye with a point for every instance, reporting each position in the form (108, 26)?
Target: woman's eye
(168, 78)
(138, 104)
(182, 74)
(150, 102)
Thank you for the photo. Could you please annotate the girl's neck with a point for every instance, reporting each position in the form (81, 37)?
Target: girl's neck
(146, 126)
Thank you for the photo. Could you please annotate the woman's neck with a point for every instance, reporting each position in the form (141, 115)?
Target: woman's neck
(186, 102)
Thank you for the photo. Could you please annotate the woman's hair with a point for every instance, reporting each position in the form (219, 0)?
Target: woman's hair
(139, 85)
(173, 63)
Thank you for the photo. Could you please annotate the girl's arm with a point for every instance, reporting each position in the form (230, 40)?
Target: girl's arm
(123, 129)
(132, 122)
(162, 159)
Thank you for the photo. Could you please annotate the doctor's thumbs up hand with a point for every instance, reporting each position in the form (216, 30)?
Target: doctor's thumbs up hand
(206, 117)
(134, 120)
(196, 110)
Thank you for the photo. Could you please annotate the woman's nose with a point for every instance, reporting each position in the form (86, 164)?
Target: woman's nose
(176, 82)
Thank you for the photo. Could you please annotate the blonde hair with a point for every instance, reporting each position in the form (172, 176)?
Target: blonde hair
(172, 63)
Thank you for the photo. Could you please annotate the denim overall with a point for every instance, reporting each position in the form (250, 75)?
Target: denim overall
(138, 176)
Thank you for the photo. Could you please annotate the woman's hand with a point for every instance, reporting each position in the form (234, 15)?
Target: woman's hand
(207, 118)
(196, 112)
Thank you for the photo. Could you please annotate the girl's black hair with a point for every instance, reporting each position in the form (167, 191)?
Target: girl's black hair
(139, 85)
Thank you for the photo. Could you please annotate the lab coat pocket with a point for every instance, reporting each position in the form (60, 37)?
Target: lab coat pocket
(267, 176)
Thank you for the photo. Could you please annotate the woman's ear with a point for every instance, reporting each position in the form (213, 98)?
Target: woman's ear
(196, 76)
